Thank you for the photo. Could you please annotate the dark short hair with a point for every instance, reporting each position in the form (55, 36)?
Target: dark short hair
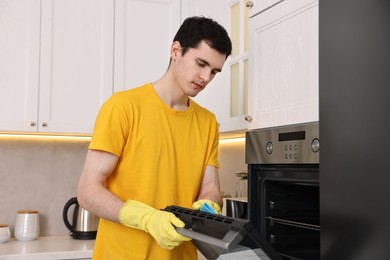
(196, 29)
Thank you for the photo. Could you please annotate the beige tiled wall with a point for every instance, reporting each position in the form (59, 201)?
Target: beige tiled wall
(42, 174)
(232, 160)
(39, 174)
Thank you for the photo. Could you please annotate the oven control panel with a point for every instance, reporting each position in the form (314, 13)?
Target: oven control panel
(285, 144)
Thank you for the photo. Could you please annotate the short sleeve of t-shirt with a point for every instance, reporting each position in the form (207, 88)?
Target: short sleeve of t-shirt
(111, 128)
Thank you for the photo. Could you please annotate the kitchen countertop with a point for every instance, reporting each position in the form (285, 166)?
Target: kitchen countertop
(47, 248)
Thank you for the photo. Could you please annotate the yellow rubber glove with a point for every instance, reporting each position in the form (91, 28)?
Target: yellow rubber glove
(160, 224)
(198, 204)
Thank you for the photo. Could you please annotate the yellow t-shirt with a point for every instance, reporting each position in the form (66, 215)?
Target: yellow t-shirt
(163, 154)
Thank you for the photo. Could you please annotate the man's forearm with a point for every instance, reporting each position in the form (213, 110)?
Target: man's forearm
(99, 201)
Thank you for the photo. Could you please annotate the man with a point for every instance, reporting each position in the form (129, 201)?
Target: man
(152, 147)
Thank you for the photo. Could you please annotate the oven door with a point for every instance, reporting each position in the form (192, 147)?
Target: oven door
(221, 237)
(284, 208)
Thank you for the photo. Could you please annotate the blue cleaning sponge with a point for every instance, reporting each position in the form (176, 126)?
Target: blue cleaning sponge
(207, 208)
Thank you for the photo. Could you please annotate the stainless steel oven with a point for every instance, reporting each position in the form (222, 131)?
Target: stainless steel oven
(283, 188)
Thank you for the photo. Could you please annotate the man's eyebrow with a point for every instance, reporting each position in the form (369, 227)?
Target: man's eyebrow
(208, 64)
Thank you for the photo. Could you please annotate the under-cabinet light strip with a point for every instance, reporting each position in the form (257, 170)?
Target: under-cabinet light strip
(84, 138)
(232, 140)
(44, 136)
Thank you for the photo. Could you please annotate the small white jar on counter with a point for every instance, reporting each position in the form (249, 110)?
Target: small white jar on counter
(27, 225)
(5, 233)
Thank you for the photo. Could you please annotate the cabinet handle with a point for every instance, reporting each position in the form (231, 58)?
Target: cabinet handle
(33, 123)
(248, 118)
(44, 124)
(249, 4)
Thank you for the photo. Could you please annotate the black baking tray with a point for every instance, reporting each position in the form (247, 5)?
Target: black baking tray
(215, 235)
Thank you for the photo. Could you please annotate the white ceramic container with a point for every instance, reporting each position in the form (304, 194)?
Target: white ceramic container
(27, 225)
(5, 233)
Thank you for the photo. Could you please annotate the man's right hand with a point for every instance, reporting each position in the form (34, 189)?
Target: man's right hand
(160, 224)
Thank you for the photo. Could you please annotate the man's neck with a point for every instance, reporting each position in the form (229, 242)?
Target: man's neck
(170, 93)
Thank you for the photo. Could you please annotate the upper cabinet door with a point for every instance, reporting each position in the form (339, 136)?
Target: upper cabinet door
(226, 95)
(257, 6)
(283, 64)
(76, 63)
(144, 31)
(19, 64)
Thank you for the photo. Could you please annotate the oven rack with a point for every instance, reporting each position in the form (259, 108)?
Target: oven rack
(293, 223)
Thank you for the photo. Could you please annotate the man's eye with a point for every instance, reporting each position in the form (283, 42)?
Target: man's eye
(201, 64)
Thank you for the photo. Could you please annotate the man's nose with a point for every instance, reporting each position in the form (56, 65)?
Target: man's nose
(205, 75)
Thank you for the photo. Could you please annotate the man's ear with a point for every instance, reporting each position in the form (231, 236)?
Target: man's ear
(175, 50)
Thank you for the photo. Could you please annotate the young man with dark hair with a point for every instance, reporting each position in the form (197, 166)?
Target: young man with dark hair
(152, 147)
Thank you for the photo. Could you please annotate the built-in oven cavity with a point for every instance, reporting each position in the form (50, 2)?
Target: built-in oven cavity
(292, 218)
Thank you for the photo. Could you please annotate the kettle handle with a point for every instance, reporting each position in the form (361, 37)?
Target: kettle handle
(65, 213)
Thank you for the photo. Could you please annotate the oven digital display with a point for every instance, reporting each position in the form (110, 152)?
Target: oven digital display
(292, 136)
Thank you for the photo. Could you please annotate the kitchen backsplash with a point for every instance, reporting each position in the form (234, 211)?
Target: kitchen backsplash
(41, 173)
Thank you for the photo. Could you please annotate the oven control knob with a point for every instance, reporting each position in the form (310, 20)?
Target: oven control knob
(315, 145)
(269, 148)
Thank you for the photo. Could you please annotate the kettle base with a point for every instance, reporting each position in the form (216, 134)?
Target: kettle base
(84, 235)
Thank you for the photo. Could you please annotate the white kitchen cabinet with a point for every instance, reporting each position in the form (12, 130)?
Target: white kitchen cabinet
(19, 64)
(258, 6)
(283, 64)
(61, 59)
(225, 96)
(76, 63)
(144, 31)
(142, 48)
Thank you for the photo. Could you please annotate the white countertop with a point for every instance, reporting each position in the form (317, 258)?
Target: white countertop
(47, 248)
